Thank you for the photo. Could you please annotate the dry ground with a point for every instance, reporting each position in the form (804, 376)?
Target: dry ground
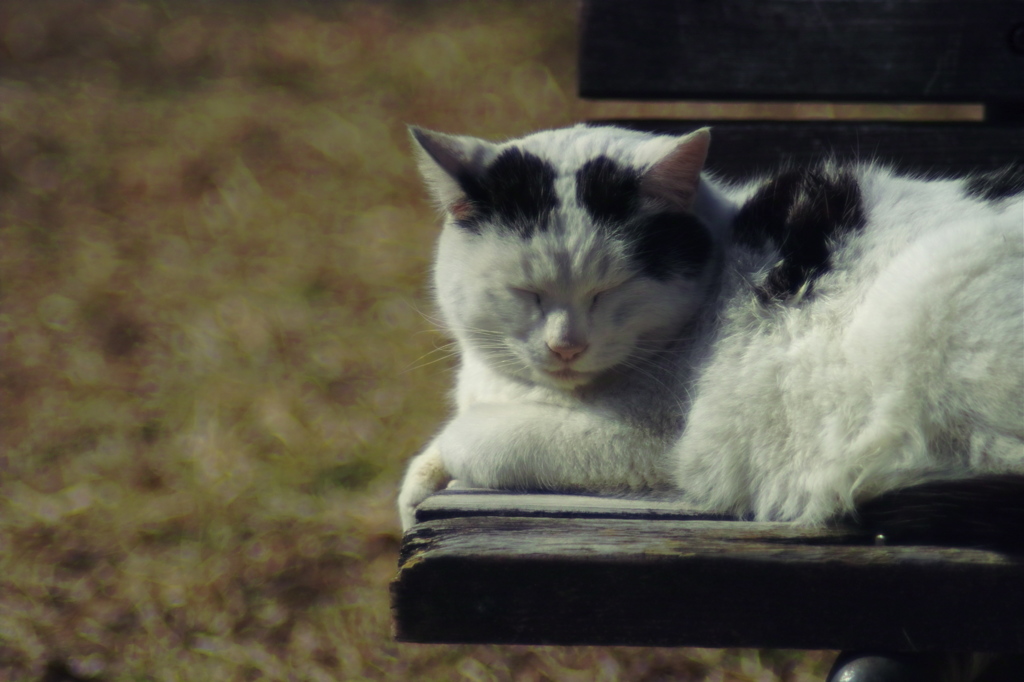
(213, 357)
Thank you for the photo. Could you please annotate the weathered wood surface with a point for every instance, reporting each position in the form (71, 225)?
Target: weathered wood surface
(471, 572)
(743, 148)
(478, 502)
(840, 50)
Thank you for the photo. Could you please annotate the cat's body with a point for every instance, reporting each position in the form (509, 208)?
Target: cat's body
(783, 350)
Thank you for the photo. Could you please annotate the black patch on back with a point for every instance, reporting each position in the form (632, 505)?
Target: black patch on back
(608, 191)
(801, 213)
(984, 511)
(996, 185)
(516, 191)
(663, 244)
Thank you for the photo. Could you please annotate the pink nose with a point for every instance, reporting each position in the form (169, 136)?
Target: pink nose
(568, 352)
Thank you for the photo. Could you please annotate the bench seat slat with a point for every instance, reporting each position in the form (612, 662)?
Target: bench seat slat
(484, 502)
(528, 578)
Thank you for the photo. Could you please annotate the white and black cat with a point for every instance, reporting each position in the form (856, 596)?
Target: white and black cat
(795, 348)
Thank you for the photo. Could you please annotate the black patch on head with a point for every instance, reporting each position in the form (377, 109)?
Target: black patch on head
(516, 191)
(609, 192)
(802, 213)
(663, 244)
(995, 185)
(669, 244)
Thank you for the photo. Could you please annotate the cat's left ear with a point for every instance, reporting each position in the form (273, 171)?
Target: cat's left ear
(674, 178)
(447, 163)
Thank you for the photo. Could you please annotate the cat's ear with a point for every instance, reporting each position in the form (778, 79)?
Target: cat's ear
(674, 178)
(448, 163)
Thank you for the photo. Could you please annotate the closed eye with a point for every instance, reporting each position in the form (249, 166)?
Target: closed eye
(527, 294)
(601, 293)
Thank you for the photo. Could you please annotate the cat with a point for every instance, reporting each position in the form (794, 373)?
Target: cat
(803, 347)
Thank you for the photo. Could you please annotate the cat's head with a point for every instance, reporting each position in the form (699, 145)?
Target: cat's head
(568, 252)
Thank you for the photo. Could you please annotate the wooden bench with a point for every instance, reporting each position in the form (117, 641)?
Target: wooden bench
(493, 567)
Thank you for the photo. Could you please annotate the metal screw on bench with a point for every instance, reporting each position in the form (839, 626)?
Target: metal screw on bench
(1017, 38)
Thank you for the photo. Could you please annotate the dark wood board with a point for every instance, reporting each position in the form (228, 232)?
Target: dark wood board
(642, 580)
(744, 148)
(839, 50)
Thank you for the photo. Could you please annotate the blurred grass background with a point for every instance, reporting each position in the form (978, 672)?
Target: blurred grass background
(214, 359)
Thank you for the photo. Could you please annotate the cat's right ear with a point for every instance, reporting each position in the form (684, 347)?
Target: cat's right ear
(450, 165)
(674, 179)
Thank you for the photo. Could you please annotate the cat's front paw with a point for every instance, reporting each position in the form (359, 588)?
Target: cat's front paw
(425, 476)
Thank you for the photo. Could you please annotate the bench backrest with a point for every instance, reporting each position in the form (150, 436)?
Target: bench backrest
(939, 51)
(968, 51)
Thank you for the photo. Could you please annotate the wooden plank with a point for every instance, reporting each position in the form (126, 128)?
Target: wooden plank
(840, 50)
(671, 582)
(744, 148)
(485, 502)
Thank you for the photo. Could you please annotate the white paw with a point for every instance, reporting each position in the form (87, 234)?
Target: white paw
(425, 476)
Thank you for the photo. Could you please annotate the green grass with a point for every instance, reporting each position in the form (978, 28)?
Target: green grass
(215, 356)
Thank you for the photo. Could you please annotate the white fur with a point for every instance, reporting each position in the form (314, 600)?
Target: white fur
(912, 350)
(907, 362)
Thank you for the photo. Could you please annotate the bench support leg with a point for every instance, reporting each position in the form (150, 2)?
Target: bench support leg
(891, 667)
